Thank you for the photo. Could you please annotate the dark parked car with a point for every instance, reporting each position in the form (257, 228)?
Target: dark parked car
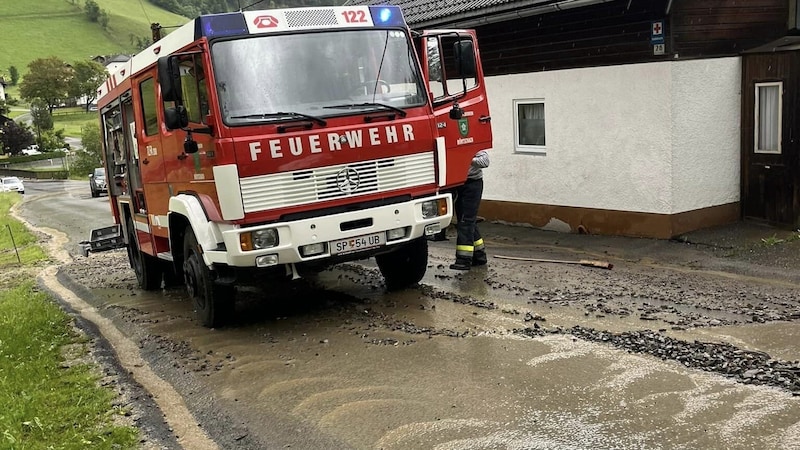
(97, 181)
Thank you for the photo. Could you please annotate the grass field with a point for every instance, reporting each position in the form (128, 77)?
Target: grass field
(60, 28)
(17, 245)
(49, 389)
(72, 119)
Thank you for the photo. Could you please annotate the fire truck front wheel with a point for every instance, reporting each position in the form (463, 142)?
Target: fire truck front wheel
(213, 303)
(405, 266)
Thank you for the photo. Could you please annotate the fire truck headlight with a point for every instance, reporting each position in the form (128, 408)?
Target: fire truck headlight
(312, 249)
(434, 208)
(259, 239)
(265, 238)
(266, 260)
(395, 234)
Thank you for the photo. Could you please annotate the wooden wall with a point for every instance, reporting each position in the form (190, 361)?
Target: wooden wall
(726, 27)
(771, 182)
(619, 33)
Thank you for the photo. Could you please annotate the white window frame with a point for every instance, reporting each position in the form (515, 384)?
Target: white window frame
(520, 148)
(756, 118)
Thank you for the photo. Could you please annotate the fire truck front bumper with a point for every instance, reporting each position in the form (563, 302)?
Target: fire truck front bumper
(336, 236)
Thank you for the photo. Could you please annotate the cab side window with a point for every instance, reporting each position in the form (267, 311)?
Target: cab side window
(194, 90)
(445, 67)
(147, 92)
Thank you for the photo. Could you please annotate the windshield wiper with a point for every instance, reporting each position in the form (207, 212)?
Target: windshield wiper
(282, 116)
(399, 111)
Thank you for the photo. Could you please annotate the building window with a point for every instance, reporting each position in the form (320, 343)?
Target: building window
(529, 126)
(768, 107)
(147, 90)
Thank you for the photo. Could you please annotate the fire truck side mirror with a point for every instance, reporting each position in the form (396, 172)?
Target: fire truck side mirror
(176, 117)
(456, 112)
(465, 58)
(190, 145)
(169, 77)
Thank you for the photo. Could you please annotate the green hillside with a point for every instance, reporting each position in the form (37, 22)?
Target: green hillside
(43, 28)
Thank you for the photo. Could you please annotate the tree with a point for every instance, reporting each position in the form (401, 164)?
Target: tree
(48, 79)
(87, 76)
(92, 154)
(104, 18)
(15, 137)
(14, 74)
(4, 109)
(139, 42)
(42, 119)
(52, 140)
(93, 10)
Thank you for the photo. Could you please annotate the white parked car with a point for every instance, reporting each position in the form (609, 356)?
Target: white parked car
(12, 184)
(31, 150)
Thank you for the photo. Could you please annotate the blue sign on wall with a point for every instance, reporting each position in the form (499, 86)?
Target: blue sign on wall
(657, 32)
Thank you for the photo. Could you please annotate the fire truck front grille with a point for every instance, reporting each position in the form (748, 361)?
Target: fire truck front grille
(301, 187)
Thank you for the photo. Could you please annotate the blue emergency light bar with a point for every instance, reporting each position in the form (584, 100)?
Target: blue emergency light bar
(387, 16)
(232, 24)
(219, 25)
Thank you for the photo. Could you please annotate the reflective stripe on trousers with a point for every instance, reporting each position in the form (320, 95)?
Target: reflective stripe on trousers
(469, 237)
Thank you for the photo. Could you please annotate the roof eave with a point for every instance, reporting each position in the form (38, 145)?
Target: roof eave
(502, 13)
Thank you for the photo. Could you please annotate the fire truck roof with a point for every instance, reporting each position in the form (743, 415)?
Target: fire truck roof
(245, 23)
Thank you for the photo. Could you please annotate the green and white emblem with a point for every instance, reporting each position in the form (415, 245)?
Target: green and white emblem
(463, 127)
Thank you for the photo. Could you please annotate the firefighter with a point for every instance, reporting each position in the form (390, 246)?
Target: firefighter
(470, 250)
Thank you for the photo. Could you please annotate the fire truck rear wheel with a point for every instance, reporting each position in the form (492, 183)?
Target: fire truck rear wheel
(147, 268)
(405, 266)
(213, 303)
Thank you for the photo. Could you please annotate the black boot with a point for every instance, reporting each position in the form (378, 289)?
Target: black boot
(479, 258)
(460, 264)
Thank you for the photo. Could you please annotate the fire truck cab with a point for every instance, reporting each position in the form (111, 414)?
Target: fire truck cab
(283, 141)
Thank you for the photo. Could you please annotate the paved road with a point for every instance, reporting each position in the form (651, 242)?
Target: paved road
(516, 355)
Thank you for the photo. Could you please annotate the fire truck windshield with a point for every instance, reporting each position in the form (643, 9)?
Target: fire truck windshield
(315, 74)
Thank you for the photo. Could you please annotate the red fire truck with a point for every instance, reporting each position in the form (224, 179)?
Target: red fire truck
(280, 142)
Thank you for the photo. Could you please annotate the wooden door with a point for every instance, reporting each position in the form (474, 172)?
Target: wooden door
(770, 151)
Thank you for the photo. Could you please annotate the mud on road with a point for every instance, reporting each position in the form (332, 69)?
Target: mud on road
(676, 347)
(684, 344)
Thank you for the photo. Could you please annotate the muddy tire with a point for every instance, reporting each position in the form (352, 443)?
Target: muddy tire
(213, 303)
(147, 268)
(171, 279)
(406, 266)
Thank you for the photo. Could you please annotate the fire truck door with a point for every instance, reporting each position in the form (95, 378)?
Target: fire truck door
(134, 176)
(150, 155)
(452, 68)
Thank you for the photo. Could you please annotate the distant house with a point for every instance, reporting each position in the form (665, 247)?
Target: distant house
(634, 117)
(113, 62)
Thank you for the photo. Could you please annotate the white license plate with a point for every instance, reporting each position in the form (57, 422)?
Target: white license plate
(357, 243)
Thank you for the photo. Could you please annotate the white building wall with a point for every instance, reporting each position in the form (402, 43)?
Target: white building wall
(631, 137)
(706, 146)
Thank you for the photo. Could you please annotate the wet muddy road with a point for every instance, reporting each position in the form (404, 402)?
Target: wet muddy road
(676, 347)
